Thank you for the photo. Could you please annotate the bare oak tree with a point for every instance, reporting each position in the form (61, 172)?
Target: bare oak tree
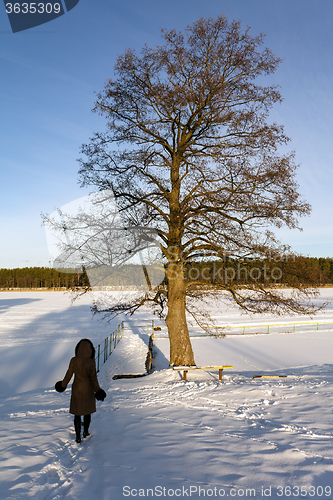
(189, 151)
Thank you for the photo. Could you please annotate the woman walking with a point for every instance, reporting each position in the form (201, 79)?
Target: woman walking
(85, 386)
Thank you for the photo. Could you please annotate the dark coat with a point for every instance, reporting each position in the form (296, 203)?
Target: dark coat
(85, 383)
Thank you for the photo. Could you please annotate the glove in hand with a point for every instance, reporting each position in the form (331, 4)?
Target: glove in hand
(58, 387)
(100, 395)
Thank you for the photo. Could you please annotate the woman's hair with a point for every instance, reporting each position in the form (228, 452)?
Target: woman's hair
(91, 345)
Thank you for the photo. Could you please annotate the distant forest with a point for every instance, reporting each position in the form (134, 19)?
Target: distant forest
(41, 277)
(319, 270)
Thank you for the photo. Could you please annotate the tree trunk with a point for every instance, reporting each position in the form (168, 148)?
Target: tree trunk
(180, 345)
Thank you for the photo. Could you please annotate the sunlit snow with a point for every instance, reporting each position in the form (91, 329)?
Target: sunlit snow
(158, 436)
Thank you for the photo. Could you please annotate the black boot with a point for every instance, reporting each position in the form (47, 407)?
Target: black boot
(86, 423)
(77, 426)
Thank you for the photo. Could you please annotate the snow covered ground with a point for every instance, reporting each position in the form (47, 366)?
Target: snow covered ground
(158, 436)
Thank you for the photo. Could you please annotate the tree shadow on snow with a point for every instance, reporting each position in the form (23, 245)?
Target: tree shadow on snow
(6, 304)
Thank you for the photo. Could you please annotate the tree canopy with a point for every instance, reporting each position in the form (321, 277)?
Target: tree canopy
(189, 152)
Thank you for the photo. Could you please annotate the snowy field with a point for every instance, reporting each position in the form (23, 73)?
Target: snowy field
(158, 436)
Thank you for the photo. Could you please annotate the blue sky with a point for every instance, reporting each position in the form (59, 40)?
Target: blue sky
(49, 75)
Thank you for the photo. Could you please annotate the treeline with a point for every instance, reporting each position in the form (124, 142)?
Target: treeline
(41, 277)
(309, 271)
(126, 276)
(286, 271)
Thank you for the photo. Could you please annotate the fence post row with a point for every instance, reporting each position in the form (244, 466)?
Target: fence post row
(316, 325)
(109, 341)
(243, 329)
